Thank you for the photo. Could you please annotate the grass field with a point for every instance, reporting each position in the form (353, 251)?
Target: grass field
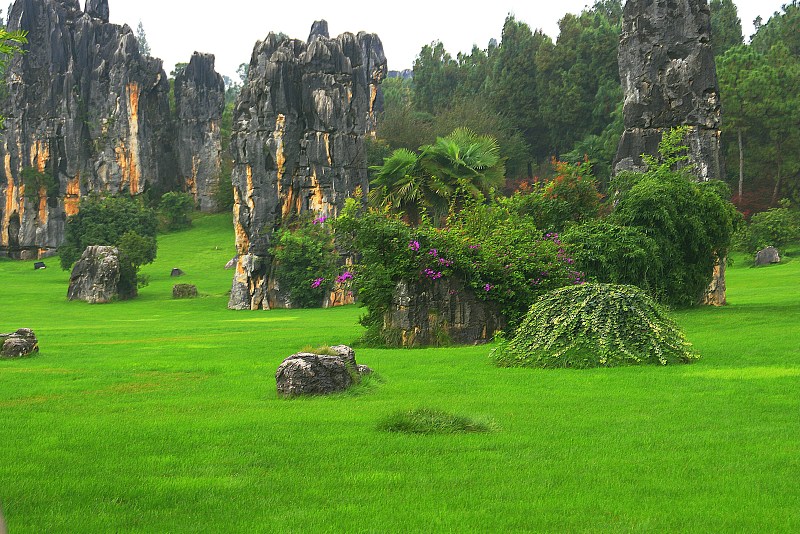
(160, 415)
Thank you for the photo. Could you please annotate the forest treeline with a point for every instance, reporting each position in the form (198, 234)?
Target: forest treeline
(546, 100)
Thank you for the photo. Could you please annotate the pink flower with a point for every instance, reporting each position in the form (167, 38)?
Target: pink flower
(414, 245)
(316, 283)
(488, 287)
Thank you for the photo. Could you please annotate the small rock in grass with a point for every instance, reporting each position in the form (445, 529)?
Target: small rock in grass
(306, 373)
(176, 272)
(18, 344)
(767, 256)
(184, 291)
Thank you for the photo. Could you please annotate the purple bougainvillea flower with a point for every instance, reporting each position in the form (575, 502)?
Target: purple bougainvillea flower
(344, 277)
(318, 282)
(320, 220)
(488, 287)
(414, 245)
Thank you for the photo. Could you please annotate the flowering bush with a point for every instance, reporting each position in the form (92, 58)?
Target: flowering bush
(307, 262)
(498, 254)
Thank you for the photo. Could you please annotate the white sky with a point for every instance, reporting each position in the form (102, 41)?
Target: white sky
(230, 28)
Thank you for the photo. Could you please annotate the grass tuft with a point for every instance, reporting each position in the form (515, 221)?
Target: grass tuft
(431, 421)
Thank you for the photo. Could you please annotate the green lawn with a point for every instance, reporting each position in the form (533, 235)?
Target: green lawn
(160, 415)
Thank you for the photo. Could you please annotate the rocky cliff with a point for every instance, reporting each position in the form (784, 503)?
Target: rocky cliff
(298, 140)
(85, 112)
(668, 75)
(199, 102)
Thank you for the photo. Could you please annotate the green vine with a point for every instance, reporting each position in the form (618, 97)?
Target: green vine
(595, 325)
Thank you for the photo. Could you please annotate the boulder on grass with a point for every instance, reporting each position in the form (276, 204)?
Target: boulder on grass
(184, 291)
(176, 272)
(306, 373)
(18, 344)
(767, 256)
(95, 277)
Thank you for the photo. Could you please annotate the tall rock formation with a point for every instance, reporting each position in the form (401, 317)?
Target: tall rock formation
(298, 140)
(85, 112)
(199, 102)
(668, 75)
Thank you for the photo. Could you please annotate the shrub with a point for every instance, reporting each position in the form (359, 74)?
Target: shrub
(776, 227)
(690, 222)
(118, 221)
(175, 210)
(34, 181)
(498, 254)
(307, 263)
(430, 421)
(611, 253)
(570, 196)
(595, 325)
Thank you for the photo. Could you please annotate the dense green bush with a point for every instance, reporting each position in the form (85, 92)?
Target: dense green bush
(175, 210)
(690, 222)
(34, 181)
(595, 325)
(307, 263)
(118, 221)
(501, 256)
(612, 253)
(570, 196)
(776, 227)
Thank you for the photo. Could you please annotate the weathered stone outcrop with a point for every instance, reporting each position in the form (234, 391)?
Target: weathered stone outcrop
(85, 112)
(199, 102)
(18, 344)
(767, 256)
(307, 373)
(298, 140)
(95, 276)
(440, 312)
(669, 79)
(184, 291)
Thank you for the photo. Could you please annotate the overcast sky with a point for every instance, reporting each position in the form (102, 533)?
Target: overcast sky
(230, 28)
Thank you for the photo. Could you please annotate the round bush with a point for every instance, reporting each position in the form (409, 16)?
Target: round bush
(595, 325)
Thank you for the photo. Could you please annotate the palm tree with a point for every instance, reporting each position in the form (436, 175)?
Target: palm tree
(456, 167)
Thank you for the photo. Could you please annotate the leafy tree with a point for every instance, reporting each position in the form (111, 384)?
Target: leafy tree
(141, 40)
(175, 210)
(513, 83)
(178, 69)
(244, 72)
(690, 222)
(782, 28)
(579, 87)
(726, 26)
(435, 78)
(112, 221)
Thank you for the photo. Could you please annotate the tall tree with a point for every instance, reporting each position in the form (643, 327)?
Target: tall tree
(782, 27)
(141, 39)
(726, 26)
(512, 83)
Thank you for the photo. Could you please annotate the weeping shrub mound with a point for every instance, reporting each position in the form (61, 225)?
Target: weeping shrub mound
(595, 325)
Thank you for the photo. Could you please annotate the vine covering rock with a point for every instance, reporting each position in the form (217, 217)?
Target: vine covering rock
(595, 325)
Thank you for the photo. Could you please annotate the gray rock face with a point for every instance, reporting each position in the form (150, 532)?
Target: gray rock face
(298, 140)
(767, 256)
(431, 314)
(95, 277)
(85, 112)
(18, 344)
(200, 101)
(306, 373)
(669, 78)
